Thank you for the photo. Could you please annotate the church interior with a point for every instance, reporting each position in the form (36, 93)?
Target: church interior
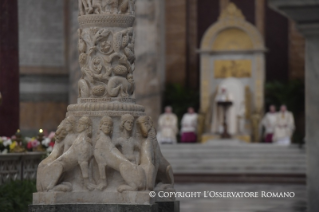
(246, 68)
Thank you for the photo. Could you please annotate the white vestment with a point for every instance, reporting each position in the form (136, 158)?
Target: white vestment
(189, 123)
(231, 89)
(269, 122)
(167, 128)
(285, 126)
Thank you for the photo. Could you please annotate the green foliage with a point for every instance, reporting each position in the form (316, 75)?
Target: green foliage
(292, 94)
(15, 196)
(180, 98)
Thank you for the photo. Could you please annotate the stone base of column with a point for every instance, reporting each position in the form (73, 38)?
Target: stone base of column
(156, 207)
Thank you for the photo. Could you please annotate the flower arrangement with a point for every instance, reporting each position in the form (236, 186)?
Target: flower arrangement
(5, 143)
(43, 142)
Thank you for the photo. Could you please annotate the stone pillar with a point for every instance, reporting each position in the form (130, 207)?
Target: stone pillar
(305, 14)
(106, 150)
(150, 63)
(9, 67)
(260, 7)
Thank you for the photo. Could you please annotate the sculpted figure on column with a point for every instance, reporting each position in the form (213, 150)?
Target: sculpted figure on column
(63, 138)
(106, 154)
(129, 146)
(113, 155)
(156, 167)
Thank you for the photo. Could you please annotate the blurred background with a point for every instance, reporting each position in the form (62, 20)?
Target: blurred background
(186, 51)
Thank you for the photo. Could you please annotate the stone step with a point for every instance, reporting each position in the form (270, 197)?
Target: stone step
(233, 155)
(236, 162)
(240, 169)
(235, 158)
(215, 148)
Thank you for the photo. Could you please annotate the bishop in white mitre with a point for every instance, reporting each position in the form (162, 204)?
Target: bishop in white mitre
(167, 125)
(285, 126)
(269, 123)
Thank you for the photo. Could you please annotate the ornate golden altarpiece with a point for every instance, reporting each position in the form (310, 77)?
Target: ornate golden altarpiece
(232, 47)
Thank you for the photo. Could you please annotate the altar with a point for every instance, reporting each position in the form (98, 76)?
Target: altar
(232, 60)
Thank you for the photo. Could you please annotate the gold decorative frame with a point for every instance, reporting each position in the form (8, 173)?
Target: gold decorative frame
(232, 17)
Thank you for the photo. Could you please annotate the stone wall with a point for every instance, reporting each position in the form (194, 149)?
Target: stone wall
(43, 74)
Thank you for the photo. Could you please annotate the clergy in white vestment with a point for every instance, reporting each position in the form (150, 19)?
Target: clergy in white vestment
(269, 123)
(232, 90)
(285, 126)
(189, 126)
(167, 127)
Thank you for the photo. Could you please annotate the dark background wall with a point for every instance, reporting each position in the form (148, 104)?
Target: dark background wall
(276, 37)
(9, 67)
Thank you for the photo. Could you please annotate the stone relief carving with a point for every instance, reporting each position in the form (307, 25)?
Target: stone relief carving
(156, 167)
(87, 7)
(106, 145)
(107, 68)
(130, 147)
(79, 153)
(127, 7)
(106, 154)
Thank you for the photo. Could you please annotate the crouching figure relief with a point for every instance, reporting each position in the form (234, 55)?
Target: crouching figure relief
(64, 137)
(156, 167)
(106, 154)
(138, 159)
(79, 153)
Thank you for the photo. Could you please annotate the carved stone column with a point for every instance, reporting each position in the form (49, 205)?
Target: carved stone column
(106, 150)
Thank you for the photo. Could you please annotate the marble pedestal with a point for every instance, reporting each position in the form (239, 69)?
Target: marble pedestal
(156, 207)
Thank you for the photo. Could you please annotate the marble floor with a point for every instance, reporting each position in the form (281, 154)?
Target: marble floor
(208, 204)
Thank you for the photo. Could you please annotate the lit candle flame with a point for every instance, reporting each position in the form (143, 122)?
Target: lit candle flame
(18, 131)
(40, 131)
